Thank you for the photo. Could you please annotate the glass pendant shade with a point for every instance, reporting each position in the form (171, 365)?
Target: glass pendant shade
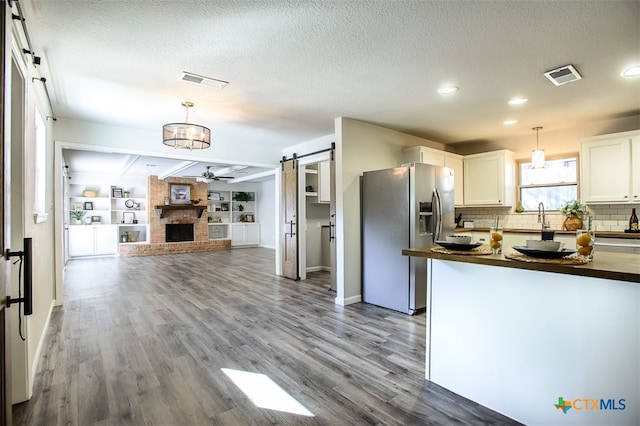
(186, 135)
(537, 158)
(537, 155)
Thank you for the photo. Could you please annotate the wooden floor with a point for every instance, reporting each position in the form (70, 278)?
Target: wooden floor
(142, 340)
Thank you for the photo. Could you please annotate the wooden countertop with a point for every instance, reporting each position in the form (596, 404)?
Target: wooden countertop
(605, 234)
(613, 266)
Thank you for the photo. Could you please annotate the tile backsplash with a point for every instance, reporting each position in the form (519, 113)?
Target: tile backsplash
(606, 217)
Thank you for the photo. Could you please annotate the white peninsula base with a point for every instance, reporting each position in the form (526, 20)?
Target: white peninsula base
(517, 340)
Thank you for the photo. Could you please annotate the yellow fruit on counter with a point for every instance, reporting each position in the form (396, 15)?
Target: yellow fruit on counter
(496, 236)
(495, 244)
(585, 251)
(583, 240)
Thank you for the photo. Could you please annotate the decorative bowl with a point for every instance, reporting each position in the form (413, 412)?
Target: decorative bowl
(459, 239)
(543, 245)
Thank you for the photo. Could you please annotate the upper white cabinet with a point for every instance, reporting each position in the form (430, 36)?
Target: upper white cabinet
(423, 154)
(489, 179)
(610, 168)
(324, 182)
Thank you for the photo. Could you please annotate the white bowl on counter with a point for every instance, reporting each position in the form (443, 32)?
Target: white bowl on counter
(459, 239)
(544, 245)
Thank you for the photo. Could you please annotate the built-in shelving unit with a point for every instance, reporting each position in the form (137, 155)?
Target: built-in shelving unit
(109, 214)
(232, 215)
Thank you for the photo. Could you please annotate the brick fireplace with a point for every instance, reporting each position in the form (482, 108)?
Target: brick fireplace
(184, 214)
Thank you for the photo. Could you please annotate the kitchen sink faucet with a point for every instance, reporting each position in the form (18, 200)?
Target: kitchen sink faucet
(542, 217)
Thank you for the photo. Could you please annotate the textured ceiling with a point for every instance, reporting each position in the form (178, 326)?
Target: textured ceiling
(294, 66)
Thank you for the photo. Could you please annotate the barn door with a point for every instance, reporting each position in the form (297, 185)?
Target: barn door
(5, 282)
(332, 219)
(290, 219)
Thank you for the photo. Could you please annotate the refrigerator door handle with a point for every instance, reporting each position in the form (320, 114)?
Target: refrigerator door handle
(437, 221)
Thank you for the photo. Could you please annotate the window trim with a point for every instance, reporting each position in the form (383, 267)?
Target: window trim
(564, 156)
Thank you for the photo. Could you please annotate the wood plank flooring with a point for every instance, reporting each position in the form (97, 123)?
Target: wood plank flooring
(142, 340)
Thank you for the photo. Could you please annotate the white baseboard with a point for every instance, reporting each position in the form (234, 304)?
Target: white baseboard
(41, 343)
(318, 269)
(349, 300)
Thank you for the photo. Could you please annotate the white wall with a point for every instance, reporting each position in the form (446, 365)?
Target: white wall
(360, 147)
(267, 213)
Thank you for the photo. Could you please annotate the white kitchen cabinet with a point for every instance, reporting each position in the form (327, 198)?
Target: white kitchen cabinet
(245, 234)
(93, 240)
(489, 179)
(610, 168)
(423, 154)
(324, 182)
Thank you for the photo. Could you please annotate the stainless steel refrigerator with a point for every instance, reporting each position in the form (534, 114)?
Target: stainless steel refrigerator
(407, 206)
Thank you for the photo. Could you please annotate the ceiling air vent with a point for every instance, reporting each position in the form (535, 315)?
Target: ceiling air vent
(562, 75)
(199, 79)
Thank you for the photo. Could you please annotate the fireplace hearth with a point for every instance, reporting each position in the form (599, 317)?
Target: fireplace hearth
(176, 232)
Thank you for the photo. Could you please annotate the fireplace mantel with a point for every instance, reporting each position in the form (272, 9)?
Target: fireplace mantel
(165, 209)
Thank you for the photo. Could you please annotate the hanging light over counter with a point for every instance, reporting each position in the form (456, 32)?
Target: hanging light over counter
(537, 155)
(186, 135)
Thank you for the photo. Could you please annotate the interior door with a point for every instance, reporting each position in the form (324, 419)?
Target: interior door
(5, 382)
(332, 219)
(290, 221)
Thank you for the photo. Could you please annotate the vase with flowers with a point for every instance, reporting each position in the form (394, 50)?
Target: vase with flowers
(572, 211)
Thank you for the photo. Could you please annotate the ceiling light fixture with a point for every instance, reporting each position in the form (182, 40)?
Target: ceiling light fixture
(632, 72)
(537, 155)
(447, 90)
(517, 101)
(186, 135)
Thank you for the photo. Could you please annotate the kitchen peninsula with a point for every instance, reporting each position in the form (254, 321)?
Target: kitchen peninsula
(516, 336)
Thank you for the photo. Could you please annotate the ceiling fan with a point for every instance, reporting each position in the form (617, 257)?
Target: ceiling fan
(208, 175)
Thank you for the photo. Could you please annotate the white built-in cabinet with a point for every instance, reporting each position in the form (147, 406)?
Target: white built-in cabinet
(232, 215)
(93, 240)
(112, 214)
(423, 154)
(324, 182)
(610, 168)
(489, 179)
(245, 234)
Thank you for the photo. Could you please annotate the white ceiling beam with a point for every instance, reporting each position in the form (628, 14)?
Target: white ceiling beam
(177, 169)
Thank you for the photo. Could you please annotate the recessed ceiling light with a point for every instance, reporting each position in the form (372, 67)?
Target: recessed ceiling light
(447, 90)
(632, 72)
(517, 101)
(509, 122)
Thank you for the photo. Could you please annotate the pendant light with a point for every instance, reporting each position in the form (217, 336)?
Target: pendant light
(537, 155)
(186, 135)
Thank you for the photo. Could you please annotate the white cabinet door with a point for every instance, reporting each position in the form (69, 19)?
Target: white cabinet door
(105, 239)
(635, 169)
(455, 163)
(324, 182)
(238, 236)
(489, 179)
(87, 240)
(606, 175)
(423, 154)
(81, 240)
(252, 233)
(244, 234)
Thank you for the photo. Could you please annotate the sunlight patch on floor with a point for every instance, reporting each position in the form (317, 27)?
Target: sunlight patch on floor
(265, 393)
